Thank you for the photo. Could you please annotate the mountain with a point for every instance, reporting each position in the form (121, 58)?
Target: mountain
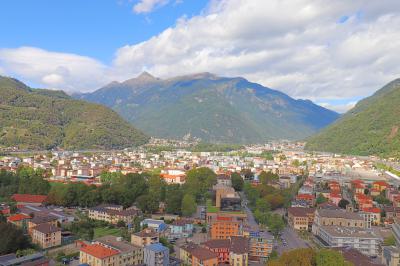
(215, 109)
(370, 128)
(44, 119)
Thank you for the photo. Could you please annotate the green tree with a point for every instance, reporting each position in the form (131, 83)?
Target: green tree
(275, 224)
(237, 181)
(189, 205)
(321, 199)
(199, 181)
(328, 257)
(173, 198)
(343, 203)
(12, 239)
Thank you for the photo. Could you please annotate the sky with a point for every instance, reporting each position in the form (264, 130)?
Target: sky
(331, 52)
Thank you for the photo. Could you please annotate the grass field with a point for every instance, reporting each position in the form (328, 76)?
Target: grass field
(103, 231)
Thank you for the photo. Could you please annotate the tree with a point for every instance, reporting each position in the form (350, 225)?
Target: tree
(12, 239)
(275, 224)
(267, 177)
(343, 203)
(199, 181)
(173, 198)
(298, 257)
(328, 257)
(321, 199)
(247, 173)
(366, 191)
(237, 182)
(121, 223)
(188, 205)
(389, 241)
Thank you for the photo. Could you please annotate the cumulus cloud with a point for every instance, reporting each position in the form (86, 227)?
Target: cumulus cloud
(146, 6)
(308, 49)
(55, 70)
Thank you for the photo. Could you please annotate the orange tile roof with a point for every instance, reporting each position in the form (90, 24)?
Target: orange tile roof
(29, 198)
(99, 251)
(18, 217)
(372, 209)
(381, 183)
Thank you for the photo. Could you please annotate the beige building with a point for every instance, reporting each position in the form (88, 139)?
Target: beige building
(113, 214)
(145, 237)
(98, 255)
(46, 236)
(300, 218)
(341, 218)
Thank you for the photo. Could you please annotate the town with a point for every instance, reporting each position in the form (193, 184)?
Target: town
(167, 205)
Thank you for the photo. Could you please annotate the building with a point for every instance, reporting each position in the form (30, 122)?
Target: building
(145, 237)
(195, 255)
(391, 255)
(46, 236)
(156, 255)
(361, 239)
(98, 255)
(180, 228)
(380, 185)
(239, 251)
(260, 247)
(20, 220)
(325, 217)
(29, 199)
(301, 218)
(356, 257)
(225, 227)
(157, 225)
(113, 214)
(307, 197)
(221, 247)
(38, 220)
(128, 254)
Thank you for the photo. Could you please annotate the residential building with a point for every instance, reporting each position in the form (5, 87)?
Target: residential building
(180, 228)
(20, 220)
(364, 240)
(391, 255)
(145, 237)
(260, 247)
(38, 220)
(99, 255)
(301, 218)
(29, 199)
(156, 255)
(46, 236)
(225, 227)
(239, 251)
(128, 254)
(113, 214)
(203, 257)
(221, 247)
(157, 225)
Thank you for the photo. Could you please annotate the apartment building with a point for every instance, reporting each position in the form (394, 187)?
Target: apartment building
(363, 240)
(260, 247)
(239, 251)
(195, 255)
(128, 254)
(301, 218)
(98, 255)
(114, 213)
(145, 237)
(156, 255)
(46, 236)
(225, 227)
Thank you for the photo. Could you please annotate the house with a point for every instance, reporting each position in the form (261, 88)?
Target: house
(46, 236)
(38, 220)
(145, 237)
(372, 214)
(114, 213)
(29, 199)
(98, 255)
(307, 197)
(19, 220)
(300, 218)
(156, 255)
(157, 225)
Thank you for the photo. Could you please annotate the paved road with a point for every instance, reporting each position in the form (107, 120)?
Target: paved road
(292, 239)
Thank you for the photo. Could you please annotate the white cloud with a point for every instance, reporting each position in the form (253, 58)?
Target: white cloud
(56, 70)
(146, 6)
(301, 47)
(340, 108)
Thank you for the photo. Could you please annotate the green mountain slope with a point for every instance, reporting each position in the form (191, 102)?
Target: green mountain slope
(215, 109)
(371, 127)
(44, 119)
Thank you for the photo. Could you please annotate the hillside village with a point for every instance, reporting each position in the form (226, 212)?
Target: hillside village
(260, 201)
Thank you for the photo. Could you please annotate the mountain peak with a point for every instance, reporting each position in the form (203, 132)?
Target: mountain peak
(144, 78)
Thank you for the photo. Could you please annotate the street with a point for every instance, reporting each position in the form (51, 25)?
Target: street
(292, 239)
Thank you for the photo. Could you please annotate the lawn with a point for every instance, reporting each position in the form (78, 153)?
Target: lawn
(210, 207)
(103, 231)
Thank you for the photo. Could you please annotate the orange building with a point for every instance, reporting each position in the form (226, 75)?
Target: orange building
(98, 255)
(380, 185)
(224, 227)
(20, 220)
(204, 257)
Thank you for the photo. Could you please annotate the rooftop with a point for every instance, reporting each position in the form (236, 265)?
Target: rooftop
(156, 247)
(339, 214)
(29, 198)
(98, 251)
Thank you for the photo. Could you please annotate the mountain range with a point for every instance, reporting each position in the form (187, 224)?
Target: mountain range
(212, 108)
(45, 119)
(370, 128)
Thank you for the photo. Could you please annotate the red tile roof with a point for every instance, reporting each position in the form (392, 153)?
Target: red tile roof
(99, 251)
(18, 217)
(29, 198)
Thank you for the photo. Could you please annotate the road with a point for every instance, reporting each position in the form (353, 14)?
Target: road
(292, 239)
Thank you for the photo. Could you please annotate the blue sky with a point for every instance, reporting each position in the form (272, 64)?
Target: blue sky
(331, 53)
(86, 27)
